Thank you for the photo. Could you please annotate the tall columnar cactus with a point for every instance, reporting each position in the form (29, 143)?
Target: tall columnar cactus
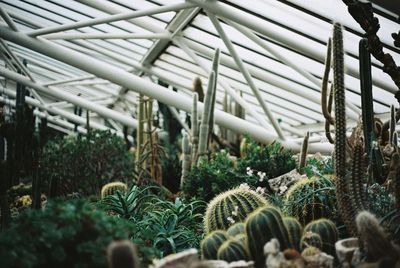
(236, 229)
(186, 157)
(230, 207)
(140, 130)
(195, 129)
(345, 205)
(233, 250)
(122, 254)
(261, 226)
(205, 120)
(112, 188)
(324, 87)
(211, 243)
(356, 189)
(328, 232)
(310, 239)
(294, 229)
(366, 93)
(392, 127)
(394, 177)
(198, 88)
(376, 244)
(215, 65)
(303, 153)
(394, 140)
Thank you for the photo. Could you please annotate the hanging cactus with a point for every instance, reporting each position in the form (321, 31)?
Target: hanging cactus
(230, 207)
(236, 229)
(232, 250)
(310, 239)
(303, 153)
(112, 188)
(261, 226)
(294, 229)
(328, 232)
(186, 157)
(377, 246)
(211, 243)
(325, 81)
(195, 129)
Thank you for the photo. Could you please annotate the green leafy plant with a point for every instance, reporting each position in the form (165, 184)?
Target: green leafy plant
(319, 167)
(83, 164)
(69, 233)
(271, 160)
(211, 177)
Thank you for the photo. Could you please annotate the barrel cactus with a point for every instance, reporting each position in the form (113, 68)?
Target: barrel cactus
(294, 229)
(261, 226)
(310, 251)
(211, 243)
(233, 250)
(236, 229)
(230, 207)
(310, 239)
(328, 232)
(112, 188)
(311, 199)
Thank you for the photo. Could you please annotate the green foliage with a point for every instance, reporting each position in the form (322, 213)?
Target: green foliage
(273, 159)
(211, 243)
(311, 199)
(261, 226)
(379, 200)
(65, 234)
(328, 232)
(83, 164)
(211, 177)
(230, 207)
(319, 167)
(232, 250)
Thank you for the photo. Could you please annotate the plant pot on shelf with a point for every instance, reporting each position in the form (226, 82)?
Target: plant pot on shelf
(345, 250)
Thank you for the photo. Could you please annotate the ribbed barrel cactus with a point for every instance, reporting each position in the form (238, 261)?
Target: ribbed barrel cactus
(233, 250)
(112, 188)
(294, 229)
(211, 243)
(328, 232)
(236, 229)
(310, 239)
(230, 207)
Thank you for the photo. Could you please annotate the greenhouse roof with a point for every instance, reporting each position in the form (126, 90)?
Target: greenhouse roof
(100, 54)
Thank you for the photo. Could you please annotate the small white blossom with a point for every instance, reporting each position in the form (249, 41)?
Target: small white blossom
(231, 220)
(244, 186)
(282, 189)
(235, 212)
(249, 171)
(260, 190)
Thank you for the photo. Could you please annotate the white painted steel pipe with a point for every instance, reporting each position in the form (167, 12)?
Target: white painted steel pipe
(71, 36)
(246, 74)
(128, 80)
(8, 19)
(110, 18)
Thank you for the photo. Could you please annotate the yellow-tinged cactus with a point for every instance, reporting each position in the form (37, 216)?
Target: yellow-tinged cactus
(112, 187)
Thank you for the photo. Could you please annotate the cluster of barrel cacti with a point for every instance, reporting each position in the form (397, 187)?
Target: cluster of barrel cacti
(238, 223)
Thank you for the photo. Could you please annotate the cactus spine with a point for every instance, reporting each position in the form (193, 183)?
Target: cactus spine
(328, 232)
(294, 229)
(195, 129)
(303, 153)
(345, 205)
(232, 250)
(261, 226)
(236, 229)
(376, 244)
(186, 157)
(211, 243)
(112, 188)
(230, 207)
(310, 239)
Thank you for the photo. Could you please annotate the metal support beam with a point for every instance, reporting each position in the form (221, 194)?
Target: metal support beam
(128, 80)
(8, 19)
(71, 36)
(246, 74)
(112, 18)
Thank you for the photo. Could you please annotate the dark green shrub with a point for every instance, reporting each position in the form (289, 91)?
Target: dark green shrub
(83, 164)
(65, 234)
(212, 177)
(270, 160)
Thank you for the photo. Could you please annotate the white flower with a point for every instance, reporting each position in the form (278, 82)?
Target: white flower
(231, 220)
(282, 188)
(249, 171)
(244, 186)
(260, 190)
(235, 212)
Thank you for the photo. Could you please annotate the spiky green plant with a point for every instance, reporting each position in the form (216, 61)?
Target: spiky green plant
(294, 229)
(310, 239)
(211, 243)
(303, 153)
(328, 232)
(112, 188)
(261, 226)
(232, 250)
(230, 207)
(236, 229)
(311, 199)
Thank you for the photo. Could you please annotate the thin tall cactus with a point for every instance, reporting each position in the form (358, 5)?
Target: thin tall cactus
(392, 127)
(215, 65)
(186, 157)
(195, 129)
(303, 153)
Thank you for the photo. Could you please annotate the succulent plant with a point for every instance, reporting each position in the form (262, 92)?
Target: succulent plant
(263, 225)
(112, 188)
(122, 254)
(236, 229)
(311, 199)
(211, 243)
(230, 207)
(233, 250)
(328, 232)
(310, 239)
(294, 229)
(310, 251)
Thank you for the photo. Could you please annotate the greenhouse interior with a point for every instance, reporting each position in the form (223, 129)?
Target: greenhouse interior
(199, 133)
